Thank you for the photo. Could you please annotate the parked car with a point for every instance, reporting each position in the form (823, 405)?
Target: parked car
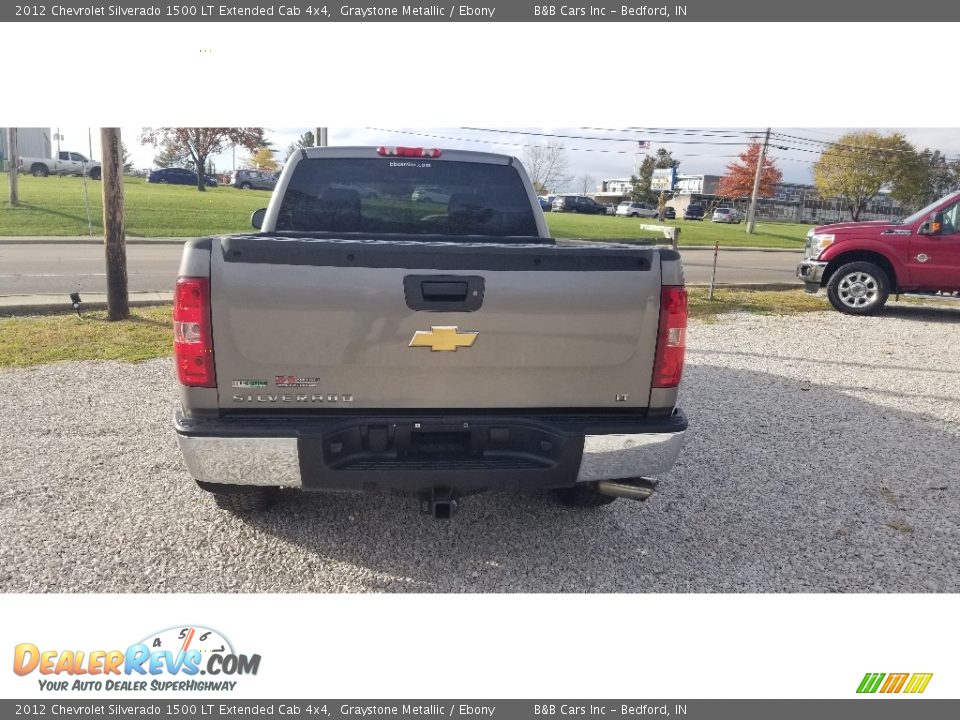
(611, 208)
(693, 212)
(65, 163)
(670, 213)
(178, 176)
(578, 204)
(861, 264)
(727, 215)
(254, 179)
(636, 209)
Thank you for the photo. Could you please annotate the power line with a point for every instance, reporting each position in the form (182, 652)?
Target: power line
(595, 138)
(519, 144)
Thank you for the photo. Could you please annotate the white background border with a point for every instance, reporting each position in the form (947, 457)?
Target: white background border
(435, 74)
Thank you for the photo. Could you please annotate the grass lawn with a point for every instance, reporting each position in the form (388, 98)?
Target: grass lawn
(36, 340)
(55, 206)
(50, 338)
(692, 232)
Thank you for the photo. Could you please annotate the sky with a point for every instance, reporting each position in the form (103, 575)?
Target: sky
(596, 153)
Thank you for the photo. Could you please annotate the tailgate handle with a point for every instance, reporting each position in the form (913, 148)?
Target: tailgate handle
(433, 291)
(443, 293)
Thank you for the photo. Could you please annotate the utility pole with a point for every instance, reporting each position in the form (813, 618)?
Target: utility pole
(751, 214)
(114, 231)
(12, 166)
(320, 137)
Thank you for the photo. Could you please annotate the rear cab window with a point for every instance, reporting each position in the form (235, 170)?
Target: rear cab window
(380, 195)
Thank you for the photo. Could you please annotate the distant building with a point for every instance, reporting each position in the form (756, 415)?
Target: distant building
(31, 142)
(791, 202)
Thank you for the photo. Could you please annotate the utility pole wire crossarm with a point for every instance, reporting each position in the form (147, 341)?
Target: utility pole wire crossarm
(752, 213)
(114, 230)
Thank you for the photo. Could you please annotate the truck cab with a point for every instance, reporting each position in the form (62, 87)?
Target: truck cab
(861, 264)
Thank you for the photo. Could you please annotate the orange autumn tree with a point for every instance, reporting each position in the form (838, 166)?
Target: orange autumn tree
(738, 182)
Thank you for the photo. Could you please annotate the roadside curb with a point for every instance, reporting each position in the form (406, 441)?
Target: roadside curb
(53, 240)
(85, 240)
(774, 287)
(11, 305)
(54, 304)
(738, 248)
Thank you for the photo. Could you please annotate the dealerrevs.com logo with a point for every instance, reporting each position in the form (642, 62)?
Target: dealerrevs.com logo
(173, 659)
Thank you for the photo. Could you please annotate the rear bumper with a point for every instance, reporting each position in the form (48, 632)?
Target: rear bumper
(463, 453)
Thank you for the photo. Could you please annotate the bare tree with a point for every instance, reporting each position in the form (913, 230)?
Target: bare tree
(586, 184)
(547, 166)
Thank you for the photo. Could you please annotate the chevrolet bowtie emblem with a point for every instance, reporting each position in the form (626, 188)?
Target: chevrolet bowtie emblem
(444, 338)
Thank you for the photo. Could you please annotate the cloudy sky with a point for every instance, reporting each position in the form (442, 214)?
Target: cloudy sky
(594, 152)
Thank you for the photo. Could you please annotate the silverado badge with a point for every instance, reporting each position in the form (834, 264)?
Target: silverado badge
(443, 338)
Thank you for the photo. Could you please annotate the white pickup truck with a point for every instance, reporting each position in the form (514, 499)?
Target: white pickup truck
(371, 339)
(65, 163)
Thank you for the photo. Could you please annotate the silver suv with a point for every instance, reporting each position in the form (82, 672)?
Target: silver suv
(727, 215)
(254, 180)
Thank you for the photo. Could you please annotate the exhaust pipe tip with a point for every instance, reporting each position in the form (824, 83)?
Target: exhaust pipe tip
(639, 488)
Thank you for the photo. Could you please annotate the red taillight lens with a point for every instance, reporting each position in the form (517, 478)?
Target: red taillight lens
(408, 152)
(192, 336)
(671, 338)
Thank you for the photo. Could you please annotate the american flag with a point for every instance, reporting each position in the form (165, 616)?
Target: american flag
(643, 144)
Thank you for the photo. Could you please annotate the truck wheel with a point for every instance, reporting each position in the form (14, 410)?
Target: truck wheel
(39, 170)
(583, 495)
(245, 186)
(95, 174)
(858, 288)
(242, 499)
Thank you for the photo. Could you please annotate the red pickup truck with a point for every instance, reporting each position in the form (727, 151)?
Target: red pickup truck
(860, 264)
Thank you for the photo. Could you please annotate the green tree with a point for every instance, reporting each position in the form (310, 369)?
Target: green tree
(127, 160)
(171, 157)
(304, 141)
(933, 177)
(198, 144)
(861, 163)
(640, 184)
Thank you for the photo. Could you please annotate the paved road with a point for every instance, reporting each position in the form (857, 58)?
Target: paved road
(62, 268)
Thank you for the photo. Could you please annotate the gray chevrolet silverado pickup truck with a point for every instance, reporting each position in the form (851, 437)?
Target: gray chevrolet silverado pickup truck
(370, 339)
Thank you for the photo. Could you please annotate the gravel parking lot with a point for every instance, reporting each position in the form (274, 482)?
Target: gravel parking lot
(822, 456)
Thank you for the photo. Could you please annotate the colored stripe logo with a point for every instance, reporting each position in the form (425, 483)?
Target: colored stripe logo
(913, 683)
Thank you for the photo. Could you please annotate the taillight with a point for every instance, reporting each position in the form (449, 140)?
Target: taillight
(671, 338)
(192, 335)
(408, 152)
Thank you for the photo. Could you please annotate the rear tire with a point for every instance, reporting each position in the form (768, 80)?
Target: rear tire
(245, 186)
(39, 170)
(242, 499)
(858, 288)
(583, 495)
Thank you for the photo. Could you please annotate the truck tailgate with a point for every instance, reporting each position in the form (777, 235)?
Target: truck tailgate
(325, 324)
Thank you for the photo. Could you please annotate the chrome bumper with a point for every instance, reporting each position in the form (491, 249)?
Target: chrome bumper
(610, 457)
(276, 461)
(811, 271)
